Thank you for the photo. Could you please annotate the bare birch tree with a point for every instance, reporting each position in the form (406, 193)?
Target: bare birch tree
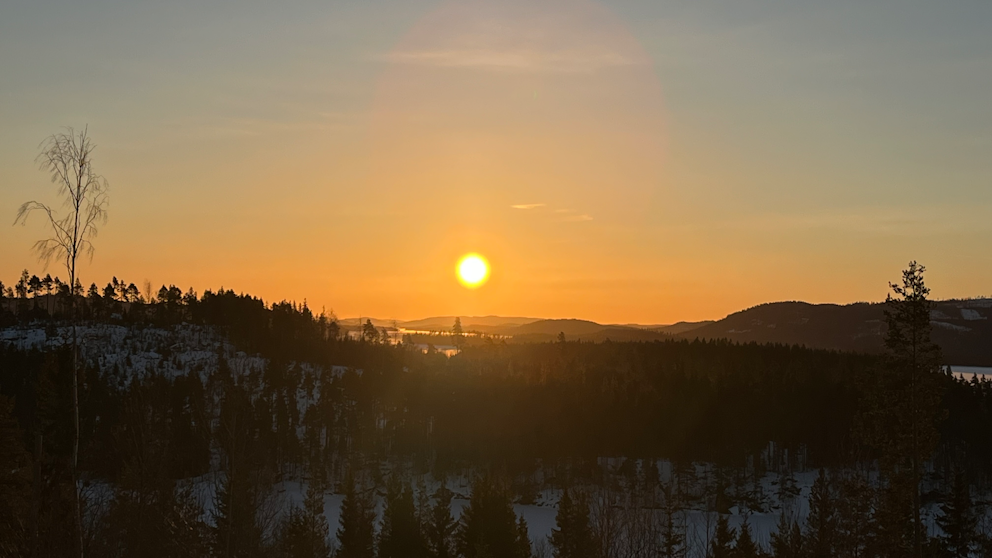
(67, 157)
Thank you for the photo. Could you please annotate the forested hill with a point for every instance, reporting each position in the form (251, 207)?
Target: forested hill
(962, 328)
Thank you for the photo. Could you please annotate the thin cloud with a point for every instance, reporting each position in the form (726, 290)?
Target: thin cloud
(514, 60)
(577, 218)
(527, 206)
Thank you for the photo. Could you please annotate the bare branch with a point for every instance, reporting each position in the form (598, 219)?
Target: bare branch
(67, 157)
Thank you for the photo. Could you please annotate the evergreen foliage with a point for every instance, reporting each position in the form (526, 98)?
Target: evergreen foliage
(855, 520)
(721, 545)
(958, 520)
(304, 532)
(488, 525)
(400, 535)
(573, 535)
(356, 532)
(440, 526)
(787, 540)
(238, 531)
(821, 523)
(902, 410)
(744, 546)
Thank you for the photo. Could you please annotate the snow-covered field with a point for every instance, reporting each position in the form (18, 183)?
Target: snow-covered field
(541, 515)
(134, 352)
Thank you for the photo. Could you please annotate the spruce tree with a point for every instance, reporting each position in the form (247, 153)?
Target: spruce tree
(572, 538)
(958, 520)
(745, 546)
(439, 528)
(723, 538)
(305, 530)
(400, 536)
(488, 525)
(236, 530)
(356, 532)
(821, 523)
(787, 540)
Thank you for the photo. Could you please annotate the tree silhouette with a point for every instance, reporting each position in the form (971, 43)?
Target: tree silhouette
(720, 545)
(958, 520)
(458, 334)
(439, 528)
(488, 525)
(787, 540)
(821, 523)
(304, 533)
(902, 408)
(67, 157)
(745, 546)
(356, 532)
(573, 538)
(399, 536)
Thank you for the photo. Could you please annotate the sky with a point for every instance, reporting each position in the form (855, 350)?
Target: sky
(620, 161)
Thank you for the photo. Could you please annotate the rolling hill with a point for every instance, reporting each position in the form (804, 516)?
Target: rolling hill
(963, 328)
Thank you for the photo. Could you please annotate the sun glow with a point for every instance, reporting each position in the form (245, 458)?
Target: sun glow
(473, 271)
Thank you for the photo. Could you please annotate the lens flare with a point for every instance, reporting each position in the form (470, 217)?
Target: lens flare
(473, 271)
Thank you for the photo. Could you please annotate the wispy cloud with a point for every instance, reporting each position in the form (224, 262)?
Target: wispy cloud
(577, 218)
(514, 60)
(562, 215)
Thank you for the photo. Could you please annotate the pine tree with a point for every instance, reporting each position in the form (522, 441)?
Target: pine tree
(573, 538)
(821, 523)
(400, 536)
(901, 411)
(958, 520)
(745, 546)
(356, 533)
(720, 545)
(439, 528)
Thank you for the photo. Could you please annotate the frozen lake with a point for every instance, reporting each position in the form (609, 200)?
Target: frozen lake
(968, 372)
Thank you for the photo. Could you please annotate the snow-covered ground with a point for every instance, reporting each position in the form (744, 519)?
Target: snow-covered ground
(541, 515)
(130, 352)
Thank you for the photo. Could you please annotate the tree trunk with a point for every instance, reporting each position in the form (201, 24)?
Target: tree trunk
(75, 413)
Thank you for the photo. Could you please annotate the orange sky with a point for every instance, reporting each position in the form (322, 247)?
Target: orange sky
(613, 161)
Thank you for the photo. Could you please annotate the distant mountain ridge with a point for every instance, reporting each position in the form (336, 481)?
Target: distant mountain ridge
(535, 329)
(963, 328)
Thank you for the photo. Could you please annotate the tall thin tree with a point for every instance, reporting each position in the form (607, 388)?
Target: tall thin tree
(67, 157)
(902, 408)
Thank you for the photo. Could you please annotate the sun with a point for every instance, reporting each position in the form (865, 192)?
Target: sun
(473, 271)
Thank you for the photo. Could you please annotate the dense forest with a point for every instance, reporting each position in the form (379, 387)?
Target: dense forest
(639, 443)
